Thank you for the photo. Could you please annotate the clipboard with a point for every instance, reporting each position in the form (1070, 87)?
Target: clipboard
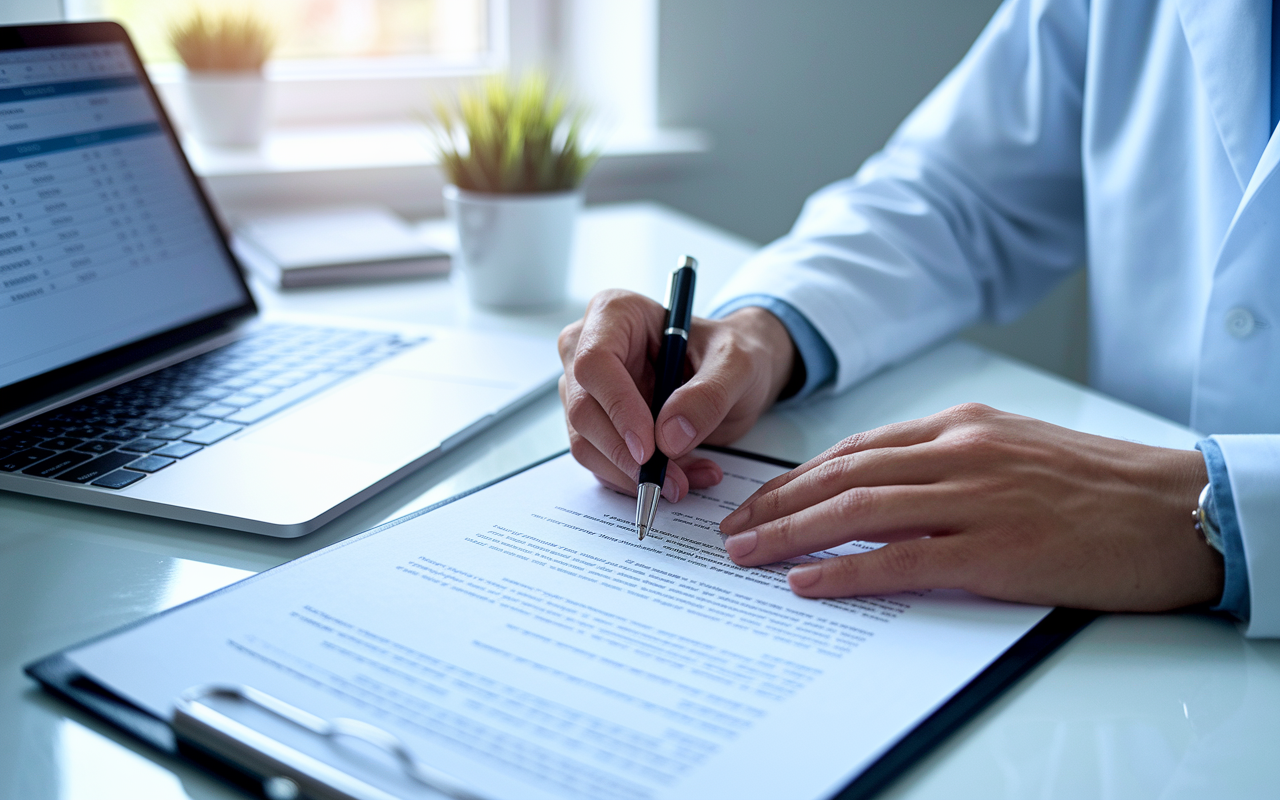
(212, 740)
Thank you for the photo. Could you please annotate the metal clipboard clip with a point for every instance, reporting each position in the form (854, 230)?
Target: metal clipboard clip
(286, 773)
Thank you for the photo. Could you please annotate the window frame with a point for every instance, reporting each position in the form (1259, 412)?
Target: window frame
(359, 90)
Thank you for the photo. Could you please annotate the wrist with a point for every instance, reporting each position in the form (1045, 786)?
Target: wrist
(785, 367)
(1191, 479)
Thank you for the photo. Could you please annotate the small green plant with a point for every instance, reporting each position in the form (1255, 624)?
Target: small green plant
(225, 42)
(508, 136)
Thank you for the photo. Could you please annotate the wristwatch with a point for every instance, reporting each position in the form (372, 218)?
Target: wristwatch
(1206, 519)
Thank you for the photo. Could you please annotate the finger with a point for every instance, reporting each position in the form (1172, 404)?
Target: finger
(674, 486)
(879, 513)
(939, 563)
(701, 472)
(615, 487)
(584, 415)
(909, 465)
(611, 338)
(594, 443)
(898, 434)
(567, 342)
(725, 374)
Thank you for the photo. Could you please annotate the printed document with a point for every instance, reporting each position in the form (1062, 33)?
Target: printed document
(522, 640)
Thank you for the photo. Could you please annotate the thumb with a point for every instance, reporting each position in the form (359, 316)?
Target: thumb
(698, 408)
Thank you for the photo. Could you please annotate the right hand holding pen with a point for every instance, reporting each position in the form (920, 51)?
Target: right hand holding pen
(738, 367)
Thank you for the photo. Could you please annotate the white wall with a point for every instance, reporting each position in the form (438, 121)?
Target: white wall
(796, 95)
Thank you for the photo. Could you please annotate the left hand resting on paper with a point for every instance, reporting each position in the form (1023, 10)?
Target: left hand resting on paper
(1000, 505)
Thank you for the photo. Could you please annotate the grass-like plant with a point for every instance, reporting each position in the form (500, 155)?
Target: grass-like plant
(509, 136)
(224, 42)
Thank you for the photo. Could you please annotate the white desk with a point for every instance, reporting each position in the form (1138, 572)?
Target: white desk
(1133, 707)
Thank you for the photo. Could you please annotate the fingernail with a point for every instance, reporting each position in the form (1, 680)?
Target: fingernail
(678, 432)
(804, 576)
(670, 492)
(741, 544)
(633, 444)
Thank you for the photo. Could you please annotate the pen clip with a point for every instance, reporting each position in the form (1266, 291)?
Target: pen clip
(287, 773)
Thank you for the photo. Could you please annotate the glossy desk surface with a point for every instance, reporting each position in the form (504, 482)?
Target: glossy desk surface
(1133, 707)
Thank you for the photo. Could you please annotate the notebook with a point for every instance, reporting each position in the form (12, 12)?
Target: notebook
(137, 373)
(338, 244)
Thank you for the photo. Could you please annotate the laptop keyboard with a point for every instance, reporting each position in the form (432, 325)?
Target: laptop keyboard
(120, 436)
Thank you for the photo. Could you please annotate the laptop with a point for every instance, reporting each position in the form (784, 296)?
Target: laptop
(136, 372)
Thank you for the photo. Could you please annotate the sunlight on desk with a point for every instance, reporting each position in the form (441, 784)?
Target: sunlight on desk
(188, 580)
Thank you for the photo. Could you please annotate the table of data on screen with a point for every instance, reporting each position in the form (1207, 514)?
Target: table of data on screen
(79, 198)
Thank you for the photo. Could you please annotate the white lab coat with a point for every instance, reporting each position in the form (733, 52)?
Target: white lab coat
(1131, 135)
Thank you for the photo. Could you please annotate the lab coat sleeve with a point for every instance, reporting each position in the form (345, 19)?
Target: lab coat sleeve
(974, 209)
(1253, 464)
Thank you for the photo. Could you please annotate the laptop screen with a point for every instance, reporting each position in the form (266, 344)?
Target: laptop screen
(104, 238)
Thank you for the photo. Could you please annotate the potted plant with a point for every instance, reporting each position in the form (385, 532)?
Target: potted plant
(512, 152)
(226, 91)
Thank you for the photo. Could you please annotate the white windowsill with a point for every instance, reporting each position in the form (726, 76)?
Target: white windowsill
(391, 145)
(393, 164)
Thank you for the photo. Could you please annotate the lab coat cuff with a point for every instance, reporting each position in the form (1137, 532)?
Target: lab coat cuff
(1235, 586)
(1253, 469)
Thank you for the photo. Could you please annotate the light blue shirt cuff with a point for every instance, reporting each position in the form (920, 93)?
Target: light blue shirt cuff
(1235, 585)
(819, 360)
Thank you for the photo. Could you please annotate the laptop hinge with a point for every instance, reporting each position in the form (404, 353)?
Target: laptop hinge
(152, 364)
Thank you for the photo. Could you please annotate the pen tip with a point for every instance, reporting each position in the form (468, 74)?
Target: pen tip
(642, 530)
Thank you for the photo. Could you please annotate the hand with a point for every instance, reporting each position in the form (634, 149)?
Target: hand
(997, 504)
(736, 368)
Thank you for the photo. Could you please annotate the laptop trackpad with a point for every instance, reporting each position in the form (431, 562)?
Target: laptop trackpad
(381, 418)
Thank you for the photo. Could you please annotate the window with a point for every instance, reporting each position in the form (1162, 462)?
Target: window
(336, 61)
(399, 33)
(353, 80)
(363, 61)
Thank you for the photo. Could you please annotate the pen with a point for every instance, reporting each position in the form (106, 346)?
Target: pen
(670, 368)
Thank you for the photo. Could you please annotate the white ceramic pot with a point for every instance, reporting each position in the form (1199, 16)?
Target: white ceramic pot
(228, 109)
(514, 249)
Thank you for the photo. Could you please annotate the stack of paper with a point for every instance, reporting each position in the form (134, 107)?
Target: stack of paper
(335, 245)
(523, 641)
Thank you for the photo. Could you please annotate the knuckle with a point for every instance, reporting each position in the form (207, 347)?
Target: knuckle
(580, 447)
(970, 412)
(782, 532)
(589, 359)
(621, 456)
(853, 503)
(766, 507)
(849, 444)
(900, 562)
(612, 304)
(615, 407)
(567, 341)
(577, 407)
(612, 298)
(830, 472)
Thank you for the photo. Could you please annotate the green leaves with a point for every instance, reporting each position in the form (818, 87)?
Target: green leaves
(511, 137)
(226, 42)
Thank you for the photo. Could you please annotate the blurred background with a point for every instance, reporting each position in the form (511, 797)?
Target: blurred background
(730, 110)
(796, 95)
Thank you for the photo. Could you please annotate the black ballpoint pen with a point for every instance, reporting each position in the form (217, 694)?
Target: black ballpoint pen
(669, 369)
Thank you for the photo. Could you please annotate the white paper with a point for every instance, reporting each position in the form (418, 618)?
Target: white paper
(335, 236)
(523, 640)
